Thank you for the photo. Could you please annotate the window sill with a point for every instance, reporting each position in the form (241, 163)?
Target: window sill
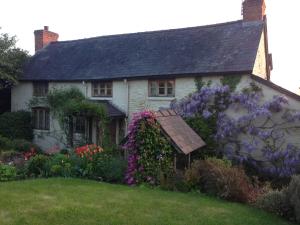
(41, 130)
(101, 98)
(161, 98)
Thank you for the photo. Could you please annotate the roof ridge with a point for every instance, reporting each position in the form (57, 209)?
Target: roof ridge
(148, 32)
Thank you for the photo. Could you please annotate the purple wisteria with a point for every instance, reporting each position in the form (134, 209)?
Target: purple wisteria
(249, 129)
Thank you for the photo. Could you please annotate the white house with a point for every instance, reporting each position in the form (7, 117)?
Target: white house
(131, 72)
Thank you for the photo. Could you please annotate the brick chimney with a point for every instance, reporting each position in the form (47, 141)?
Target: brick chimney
(44, 37)
(253, 10)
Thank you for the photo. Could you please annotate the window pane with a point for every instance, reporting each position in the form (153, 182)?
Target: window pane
(108, 85)
(161, 84)
(161, 91)
(96, 93)
(47, 120)
(109, 92)
(79, 125)
(102, 91)
(40, 89)
(41, 119)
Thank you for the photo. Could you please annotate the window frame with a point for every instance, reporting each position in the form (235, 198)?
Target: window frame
(40, 89)
(102, 86)
(158, 87)
(41, 118)
(79, 121)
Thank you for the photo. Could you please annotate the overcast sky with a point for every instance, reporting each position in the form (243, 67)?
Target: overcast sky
(75, 19)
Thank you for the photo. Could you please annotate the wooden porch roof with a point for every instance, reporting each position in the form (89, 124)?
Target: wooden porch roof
(181, 135)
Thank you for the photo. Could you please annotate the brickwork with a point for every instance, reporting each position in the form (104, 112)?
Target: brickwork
(44, 37)
(254, 10)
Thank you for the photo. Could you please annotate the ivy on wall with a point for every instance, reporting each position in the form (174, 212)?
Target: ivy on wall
(65, 104)
(231, 80)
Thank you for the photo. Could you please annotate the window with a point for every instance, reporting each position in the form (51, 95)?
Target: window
(40, 89)
(161, 88)
(79, 124)
(40, 118)
(102, 89)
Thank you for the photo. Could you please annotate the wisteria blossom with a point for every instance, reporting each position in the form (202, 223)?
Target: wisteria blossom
(249, 129)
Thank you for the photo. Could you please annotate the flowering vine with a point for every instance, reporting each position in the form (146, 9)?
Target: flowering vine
(149, 152)
(248, 131)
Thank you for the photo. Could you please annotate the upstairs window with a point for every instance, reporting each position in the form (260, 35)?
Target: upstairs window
(161, 88)
(40, 89)
(102, 89)
(41, 118)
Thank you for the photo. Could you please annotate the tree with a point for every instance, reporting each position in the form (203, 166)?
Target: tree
(12, 60)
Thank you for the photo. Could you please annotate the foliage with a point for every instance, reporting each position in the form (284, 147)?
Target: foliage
(174, 182)
(65, 104)
(231, 81)
(217, 177)
(107, 167)
(16, 125)
(21, 145)
(274, 202)
(7, 172)
(150, 153)
(206, 128)
(12, 60)
(60, 165)
(285, 203)
(38, 166)
(292, 193)
(245, 125)
(5, 143)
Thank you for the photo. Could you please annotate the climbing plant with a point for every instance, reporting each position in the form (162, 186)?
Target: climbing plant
(65, 104)
(231, 80)
(243, 125)
(150, 153)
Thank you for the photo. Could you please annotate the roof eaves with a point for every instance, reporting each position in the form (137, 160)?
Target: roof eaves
(276, 87)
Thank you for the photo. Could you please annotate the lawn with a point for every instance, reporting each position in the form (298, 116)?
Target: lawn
(83, 202)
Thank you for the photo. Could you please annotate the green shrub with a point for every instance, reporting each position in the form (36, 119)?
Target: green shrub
(292, 193)
(5, 143)
(22, 145)
(7, 173)
(60, 165)
(38, 166)
(217, 177)
(107, 167)
(16, 125)
(174, 182)
(274, 202)
(285, 203)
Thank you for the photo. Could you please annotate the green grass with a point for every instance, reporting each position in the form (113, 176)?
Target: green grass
(83, 202)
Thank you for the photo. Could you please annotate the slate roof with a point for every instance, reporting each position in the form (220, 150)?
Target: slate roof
(214, 49)
(182, 136)
(112, 110)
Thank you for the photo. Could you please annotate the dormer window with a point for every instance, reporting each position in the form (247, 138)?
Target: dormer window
(161, 88)
(40, 89)
(102, 89)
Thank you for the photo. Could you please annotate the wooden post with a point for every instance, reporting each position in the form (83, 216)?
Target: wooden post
(175, 162)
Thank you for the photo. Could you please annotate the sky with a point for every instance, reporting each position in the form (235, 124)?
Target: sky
(76, 19)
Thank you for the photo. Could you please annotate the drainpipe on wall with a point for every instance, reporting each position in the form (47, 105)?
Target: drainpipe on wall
(127, 100)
